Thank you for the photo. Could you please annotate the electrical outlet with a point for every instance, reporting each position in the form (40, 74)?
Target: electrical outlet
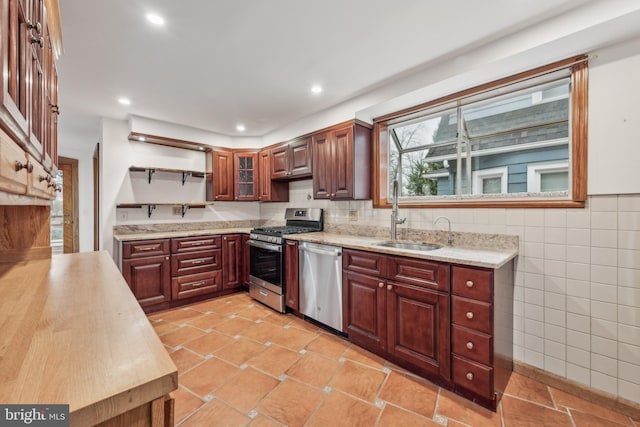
(123, 216)
(353, 215)
(177, 210)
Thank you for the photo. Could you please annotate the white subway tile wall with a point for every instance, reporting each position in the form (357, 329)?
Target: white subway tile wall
(577, 279)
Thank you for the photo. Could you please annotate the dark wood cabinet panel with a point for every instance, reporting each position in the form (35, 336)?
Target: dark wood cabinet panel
(246, 260)
(291, 280)
(291, 159)
(232, 261)
(245, 176)
(473, 376)
(342, 163)
(219, 175)
(472, 283)
(476, 315)
(149, 279)
(270, 190)
(145, 248)
(419, 272)
(418, 327)
(472, 344)
(364, 310)
(196, 262)
(198, 243)
(192, 285)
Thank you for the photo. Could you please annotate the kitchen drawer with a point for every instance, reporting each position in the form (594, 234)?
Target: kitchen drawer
(473, 377)
(471, 344)
(190, 244)
(13, 166)
(143, 248)
(472, 283)
(419, 272)
(40, 183)
(196, 284)
(196, 262)
(365, 262)
(472, 314)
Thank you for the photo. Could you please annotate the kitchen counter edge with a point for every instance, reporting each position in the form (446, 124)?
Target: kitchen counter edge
(149, 235)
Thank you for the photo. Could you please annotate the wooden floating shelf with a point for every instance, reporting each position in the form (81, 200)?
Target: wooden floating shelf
(151, 170)
(152, 206)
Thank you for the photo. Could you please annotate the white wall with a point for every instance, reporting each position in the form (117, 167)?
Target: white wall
(119, 185)
(614, 120)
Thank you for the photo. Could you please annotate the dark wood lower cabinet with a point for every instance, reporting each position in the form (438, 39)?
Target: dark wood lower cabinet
(405, 323)
(291, 275)
(149, 279)
(184, 270)
(232, 268)
(418, 327)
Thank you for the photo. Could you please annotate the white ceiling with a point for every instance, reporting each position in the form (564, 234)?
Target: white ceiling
(217, 63)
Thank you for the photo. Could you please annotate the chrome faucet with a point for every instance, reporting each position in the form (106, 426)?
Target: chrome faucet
(450, 239)
(394, 211)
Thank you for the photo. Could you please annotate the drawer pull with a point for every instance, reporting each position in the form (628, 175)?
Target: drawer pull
(389, 287)
(469, 315)
(200, 283)
(469, 376)
(199, 261)
(146, 249)
(380, 285)
(470, 345)
(469, 283)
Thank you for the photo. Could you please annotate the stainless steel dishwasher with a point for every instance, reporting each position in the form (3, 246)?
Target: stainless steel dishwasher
(320, 283)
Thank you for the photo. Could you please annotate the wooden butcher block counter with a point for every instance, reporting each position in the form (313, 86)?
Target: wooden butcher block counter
(71, 332)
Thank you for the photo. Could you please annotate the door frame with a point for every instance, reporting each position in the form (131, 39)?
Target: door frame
(96, 198)
(75, 246)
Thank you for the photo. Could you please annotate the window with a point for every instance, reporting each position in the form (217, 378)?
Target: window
(518, 140)
(490, 181)
(548, 177)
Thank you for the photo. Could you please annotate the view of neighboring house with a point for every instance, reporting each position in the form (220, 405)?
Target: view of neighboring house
(519, 144)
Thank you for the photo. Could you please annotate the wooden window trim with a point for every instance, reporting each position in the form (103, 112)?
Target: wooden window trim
(579, 130)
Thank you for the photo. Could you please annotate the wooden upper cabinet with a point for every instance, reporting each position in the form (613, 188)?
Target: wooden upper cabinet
(28, 97)
(291, 159)
(220, 175)
(16, 65)
(245, 176)
(342, 163)
(270, 190)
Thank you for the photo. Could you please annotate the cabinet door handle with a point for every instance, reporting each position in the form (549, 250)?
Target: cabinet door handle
(469, 376)
(469, 315)
(28, 166)
(37, 26)
(200, 283)
(380, 285)
(199, 261)
(389, 287)
(469, 283)
(37, 40)
(470, 345)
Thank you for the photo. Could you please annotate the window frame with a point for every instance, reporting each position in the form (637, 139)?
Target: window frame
(536, 170)
(478, 176)
(578, 67)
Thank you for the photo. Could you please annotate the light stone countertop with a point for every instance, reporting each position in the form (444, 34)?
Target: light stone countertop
(148, 235)
(458, 255)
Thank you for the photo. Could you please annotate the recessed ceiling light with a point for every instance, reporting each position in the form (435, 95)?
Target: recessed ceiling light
(241, 128)
(155, 19)
(124, 101)
(316, 89)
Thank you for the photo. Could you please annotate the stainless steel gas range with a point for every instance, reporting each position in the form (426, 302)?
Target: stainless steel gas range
(267, 255)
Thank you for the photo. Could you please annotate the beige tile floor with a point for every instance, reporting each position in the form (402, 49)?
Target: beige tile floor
(242, 364)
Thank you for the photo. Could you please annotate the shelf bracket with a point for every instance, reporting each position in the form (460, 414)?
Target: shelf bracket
(185, 208)
(150, 208)
(151, 172)
(185, 175)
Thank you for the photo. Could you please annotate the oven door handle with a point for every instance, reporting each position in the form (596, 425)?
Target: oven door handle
(263, 245)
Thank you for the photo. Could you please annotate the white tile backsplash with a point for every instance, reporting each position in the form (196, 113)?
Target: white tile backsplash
(604, 382)
(579, 357)
(604, 238)
(604, 346)
(629, 334)
(629, 372)
(604, 220)
(579, 374)
(628, 390)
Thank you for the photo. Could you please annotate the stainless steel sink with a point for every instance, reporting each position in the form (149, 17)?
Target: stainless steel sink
(410, 246)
